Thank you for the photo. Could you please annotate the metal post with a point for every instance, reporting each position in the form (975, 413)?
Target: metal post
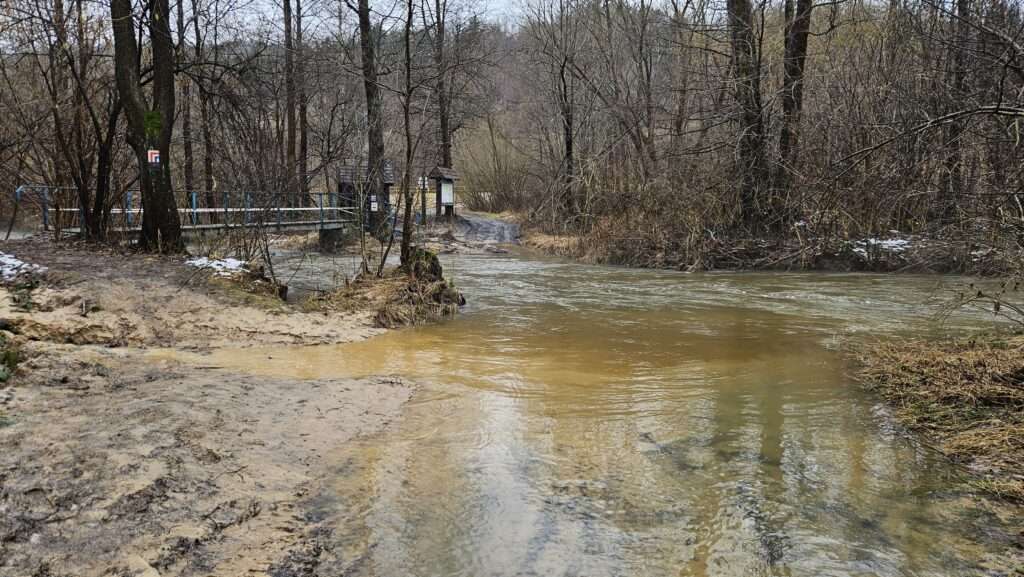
(46, 208)
(227, 224)
(14, 214)
(246, 211)
(321, 210)
(277, 201)
(17, 203)
(128, 207)
(195, 215)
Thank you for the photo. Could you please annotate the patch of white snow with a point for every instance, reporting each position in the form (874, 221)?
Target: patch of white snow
(11, 267)
(891, 245)
(220, 266)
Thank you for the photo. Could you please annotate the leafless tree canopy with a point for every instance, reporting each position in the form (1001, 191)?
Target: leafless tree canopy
(655, 125)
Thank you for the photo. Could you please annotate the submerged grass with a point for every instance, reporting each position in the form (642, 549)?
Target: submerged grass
(966, 395)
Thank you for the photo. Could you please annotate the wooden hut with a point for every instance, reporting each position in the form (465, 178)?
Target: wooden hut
(353, 178)
(444, 179)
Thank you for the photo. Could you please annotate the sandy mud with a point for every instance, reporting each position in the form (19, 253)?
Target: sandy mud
(118, 463)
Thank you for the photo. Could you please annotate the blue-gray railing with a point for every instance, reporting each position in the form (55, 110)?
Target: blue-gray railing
(60, 208)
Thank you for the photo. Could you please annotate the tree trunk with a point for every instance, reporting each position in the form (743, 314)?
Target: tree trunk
(161, 228)
(953, 132)
(746, 71)
(300, 74)
(289, 104)
(798, 27)
(407, 224)
(104, 170)
(443, 98)
(567, 106)
(58, 79)
(204, 119)
(186, 106)
(375, 126)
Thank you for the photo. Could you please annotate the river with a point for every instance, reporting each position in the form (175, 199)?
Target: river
(600, 421)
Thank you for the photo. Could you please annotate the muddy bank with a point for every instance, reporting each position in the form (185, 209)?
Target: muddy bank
(115, 463)
(117, 466)
(108, 297)
(965, 396)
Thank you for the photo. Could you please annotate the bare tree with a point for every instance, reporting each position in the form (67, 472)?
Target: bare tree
(149, 126)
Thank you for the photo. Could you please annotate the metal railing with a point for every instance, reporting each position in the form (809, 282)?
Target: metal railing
(60, 208)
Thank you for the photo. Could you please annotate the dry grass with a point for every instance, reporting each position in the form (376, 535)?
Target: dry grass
(965, 395)
(560, 245)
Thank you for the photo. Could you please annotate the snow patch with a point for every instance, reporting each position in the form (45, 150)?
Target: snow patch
(891, 245)
(220, 266)
(977, 255)
(11, 267)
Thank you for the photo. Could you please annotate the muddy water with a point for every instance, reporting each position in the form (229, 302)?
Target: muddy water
(599, 421)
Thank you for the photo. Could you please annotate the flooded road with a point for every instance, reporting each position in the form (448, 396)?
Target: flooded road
(598, 421)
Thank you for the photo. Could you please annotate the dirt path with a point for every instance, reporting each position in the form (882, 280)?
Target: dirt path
(116, 464)
(470, 233)
(475, 227)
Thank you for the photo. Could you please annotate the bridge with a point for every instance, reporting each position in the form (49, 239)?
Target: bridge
(202, 211)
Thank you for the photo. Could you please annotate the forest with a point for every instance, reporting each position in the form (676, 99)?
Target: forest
(663, 132)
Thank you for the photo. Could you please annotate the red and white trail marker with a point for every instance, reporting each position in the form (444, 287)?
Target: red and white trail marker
(154, 157)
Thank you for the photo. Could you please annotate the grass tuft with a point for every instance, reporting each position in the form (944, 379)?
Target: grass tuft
(966, 395)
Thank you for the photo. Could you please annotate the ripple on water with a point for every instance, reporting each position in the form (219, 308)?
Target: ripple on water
(602, 421)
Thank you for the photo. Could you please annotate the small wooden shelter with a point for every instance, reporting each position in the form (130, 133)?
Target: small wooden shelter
(444, 179)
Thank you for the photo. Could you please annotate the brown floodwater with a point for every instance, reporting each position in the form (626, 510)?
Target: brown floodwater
(600, 421)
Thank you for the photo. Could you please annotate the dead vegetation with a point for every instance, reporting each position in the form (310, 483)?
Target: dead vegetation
(967, 395)
(559, 245)
(809, 245)
(398, 297)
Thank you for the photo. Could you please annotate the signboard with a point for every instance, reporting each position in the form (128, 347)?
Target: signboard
(154, 157)
(447, 193)
(423, 183)
(374, 206)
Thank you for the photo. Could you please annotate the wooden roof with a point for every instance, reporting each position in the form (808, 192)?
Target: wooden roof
(444, 173)
(354, 172)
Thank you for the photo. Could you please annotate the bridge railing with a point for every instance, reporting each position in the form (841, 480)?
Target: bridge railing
(249, 208)
(61, 211)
